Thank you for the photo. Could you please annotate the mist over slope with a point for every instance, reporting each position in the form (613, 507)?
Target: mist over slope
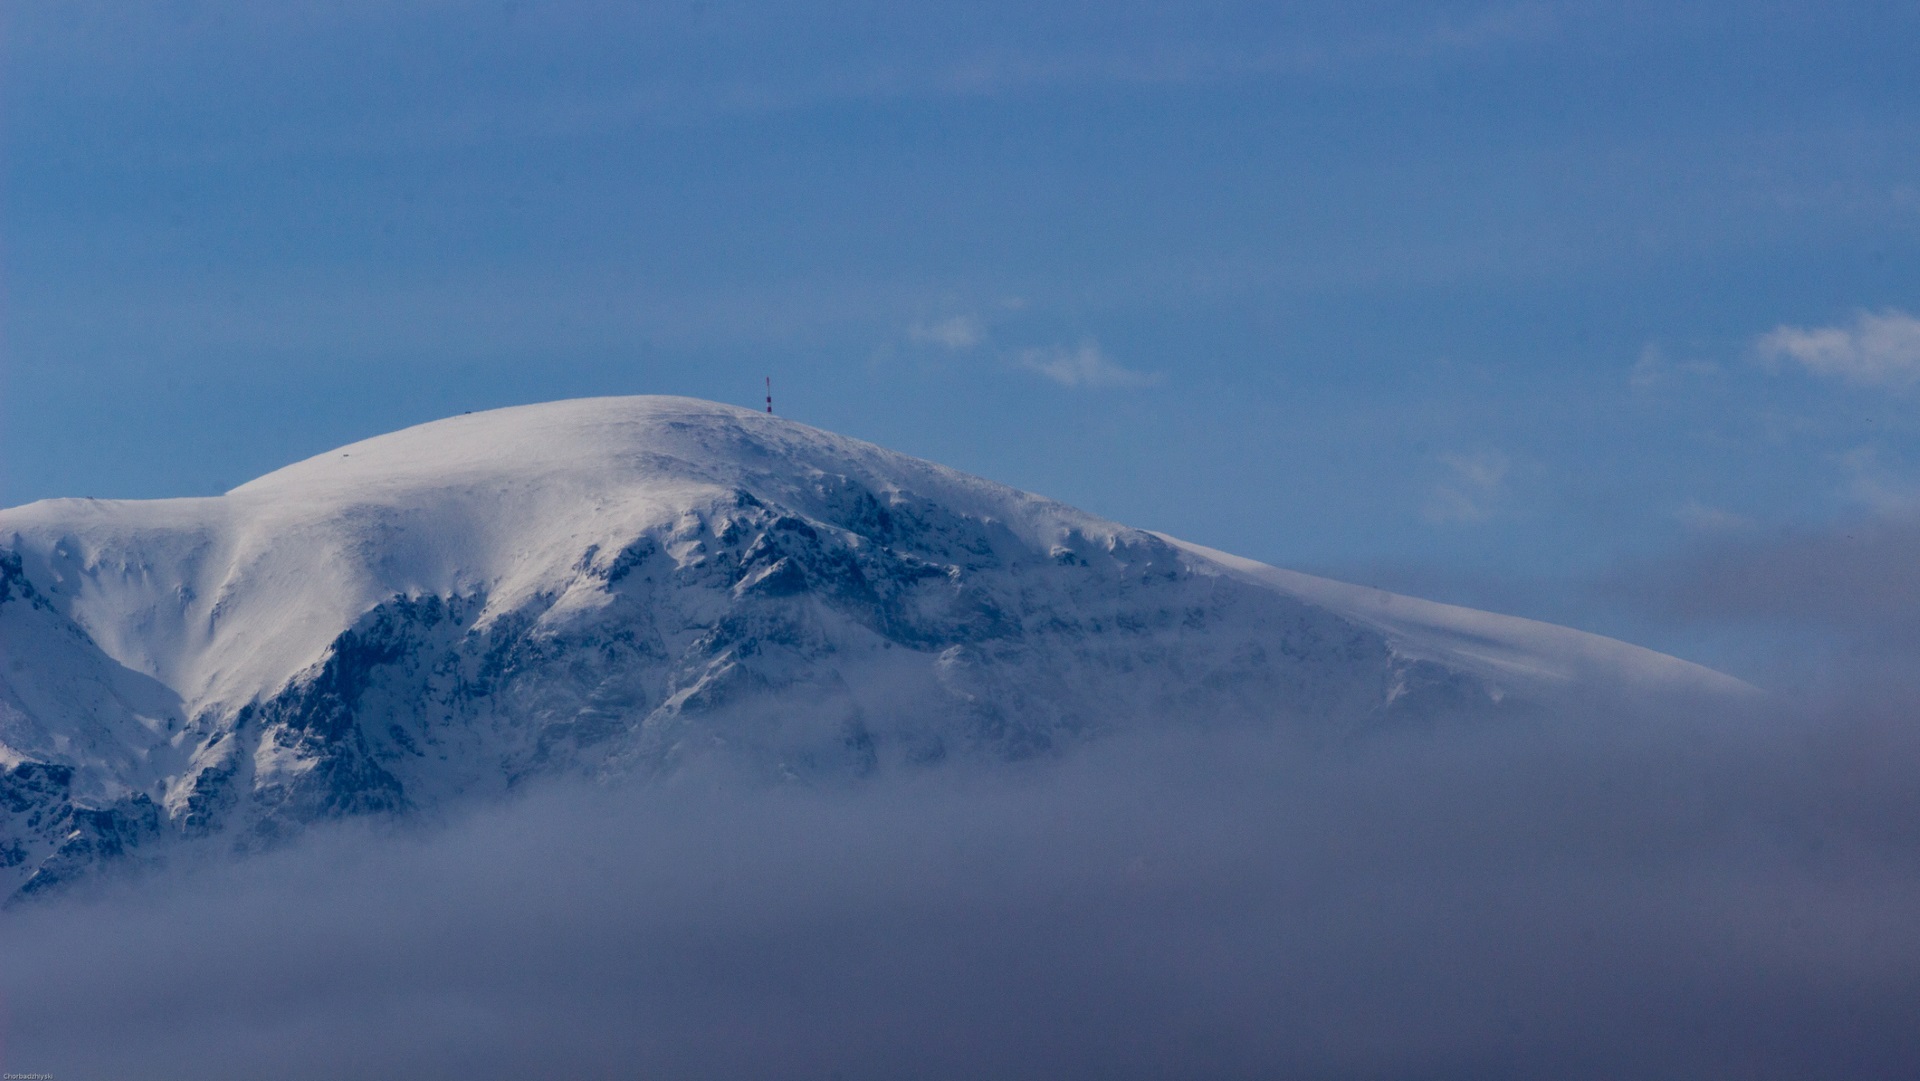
(1614, 895)
(617, 587)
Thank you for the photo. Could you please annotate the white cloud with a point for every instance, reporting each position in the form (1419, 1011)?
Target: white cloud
(955, 332)
(1876, 349)
(1084, 365)
(1475, 483)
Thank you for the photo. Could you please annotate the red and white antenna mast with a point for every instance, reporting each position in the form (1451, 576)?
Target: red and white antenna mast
(769, 393)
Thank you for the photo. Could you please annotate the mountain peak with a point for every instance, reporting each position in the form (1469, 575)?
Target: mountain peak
(619, 584)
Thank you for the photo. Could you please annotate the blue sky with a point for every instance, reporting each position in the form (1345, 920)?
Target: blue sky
(1490, 301)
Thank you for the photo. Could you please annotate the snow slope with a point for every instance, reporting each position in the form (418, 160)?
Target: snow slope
(612, 585)
(1541, 661)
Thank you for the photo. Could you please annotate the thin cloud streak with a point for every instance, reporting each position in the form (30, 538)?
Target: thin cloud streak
(1806, 610)
(1084, 365)
(1859, 579)
(758, 60)
(1475, 486)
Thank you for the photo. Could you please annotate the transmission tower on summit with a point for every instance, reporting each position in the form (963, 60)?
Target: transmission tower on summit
(769, 393)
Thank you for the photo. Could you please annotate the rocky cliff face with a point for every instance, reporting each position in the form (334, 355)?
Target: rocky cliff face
(612, 588)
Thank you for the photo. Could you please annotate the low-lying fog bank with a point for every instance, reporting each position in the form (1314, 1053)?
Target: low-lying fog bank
(1607, 897)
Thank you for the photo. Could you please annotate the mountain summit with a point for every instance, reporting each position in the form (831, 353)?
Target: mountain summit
(613, 586)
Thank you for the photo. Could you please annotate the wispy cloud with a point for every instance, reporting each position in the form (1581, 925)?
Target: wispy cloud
(1084, 365)
(1877, 349)
(1474, 485)
(954, 332)
(1654, 370)
(1881, 487)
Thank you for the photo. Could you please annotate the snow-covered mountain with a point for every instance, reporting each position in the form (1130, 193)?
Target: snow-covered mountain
(613, 586)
